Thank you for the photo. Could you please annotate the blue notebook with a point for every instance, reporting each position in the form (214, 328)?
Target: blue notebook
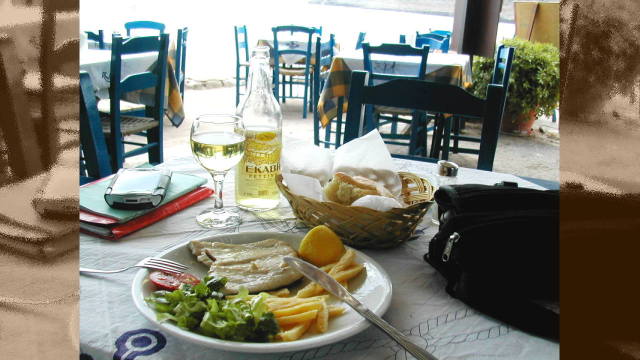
(92, 196)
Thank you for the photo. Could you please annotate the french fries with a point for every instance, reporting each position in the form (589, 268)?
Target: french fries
(308, 309)
(297, 318)
(343, 270)
(293, 333)
(284, 292)
(322, 320)
(297, 315)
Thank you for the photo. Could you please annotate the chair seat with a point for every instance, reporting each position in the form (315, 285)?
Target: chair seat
(392, 110)
(129, 125)
(294, 71)
(104, 106)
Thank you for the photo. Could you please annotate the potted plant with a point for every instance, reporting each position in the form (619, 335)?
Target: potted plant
(534, 85)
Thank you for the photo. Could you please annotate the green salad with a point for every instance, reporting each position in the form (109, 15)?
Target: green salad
(203, 308)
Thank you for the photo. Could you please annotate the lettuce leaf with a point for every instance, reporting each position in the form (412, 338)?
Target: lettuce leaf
(202, 308)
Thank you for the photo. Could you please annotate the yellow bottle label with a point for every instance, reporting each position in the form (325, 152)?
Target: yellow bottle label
(256, 187)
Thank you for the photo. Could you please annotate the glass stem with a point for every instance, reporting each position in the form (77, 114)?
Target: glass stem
(218, 181)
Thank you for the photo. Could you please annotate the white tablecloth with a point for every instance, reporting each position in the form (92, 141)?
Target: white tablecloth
(97, 63)
(112, 328)
(408, 65)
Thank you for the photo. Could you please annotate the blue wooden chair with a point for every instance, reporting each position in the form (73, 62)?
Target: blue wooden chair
(360, 40)
(117, 125)
(394, 116)
(446, 33)
(323, 59)
(97, 38)
(299, 75)
(152, 25)
(94, 156)
(181, 58)
(451, 129)
(242, 58)
(434, 41)
(425, 96)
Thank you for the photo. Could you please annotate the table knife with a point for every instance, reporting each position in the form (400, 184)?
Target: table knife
(333, 287)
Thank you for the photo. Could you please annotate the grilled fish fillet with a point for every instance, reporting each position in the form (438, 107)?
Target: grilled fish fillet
(258, 266)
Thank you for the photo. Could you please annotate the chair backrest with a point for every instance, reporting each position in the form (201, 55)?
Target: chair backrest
(318, 30)
(435, 41)
(143, 25)
(95, 156)
(23, 150)
(502, 66)
(502, 69)
(98, 38)
(181, 58)
(426, 96)
(323, 59)
(242, 43)
(152, 78)
(446, 33)
(360, 40)
(305, 33)
(400, 50)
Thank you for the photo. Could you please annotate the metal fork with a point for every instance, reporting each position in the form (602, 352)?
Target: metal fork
(150, 262)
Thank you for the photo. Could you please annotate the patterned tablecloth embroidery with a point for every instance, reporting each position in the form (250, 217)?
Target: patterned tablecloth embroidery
(112, 328)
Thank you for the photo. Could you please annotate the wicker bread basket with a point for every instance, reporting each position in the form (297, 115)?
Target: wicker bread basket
(362, 227)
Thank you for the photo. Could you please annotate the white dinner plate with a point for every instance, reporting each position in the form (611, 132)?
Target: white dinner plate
(372, 287)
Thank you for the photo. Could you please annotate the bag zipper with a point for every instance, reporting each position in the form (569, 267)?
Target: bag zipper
(446, 254)
(484, 221)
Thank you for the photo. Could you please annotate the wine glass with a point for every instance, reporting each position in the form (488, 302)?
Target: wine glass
(217, 143)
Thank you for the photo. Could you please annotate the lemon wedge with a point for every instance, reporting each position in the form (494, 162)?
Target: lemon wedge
(321, 246)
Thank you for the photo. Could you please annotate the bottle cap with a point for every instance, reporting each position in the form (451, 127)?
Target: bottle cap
(447, 168)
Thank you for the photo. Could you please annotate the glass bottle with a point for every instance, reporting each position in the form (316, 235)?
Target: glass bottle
(256, 188)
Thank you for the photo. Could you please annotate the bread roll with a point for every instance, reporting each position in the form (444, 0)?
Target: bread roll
(345, 189)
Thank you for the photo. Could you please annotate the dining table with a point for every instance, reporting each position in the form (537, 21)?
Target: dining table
(112, 328)
(97, 62)
(450, 68)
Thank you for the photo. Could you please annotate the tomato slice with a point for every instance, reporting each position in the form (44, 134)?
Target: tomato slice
(188, 279)
(168, 281)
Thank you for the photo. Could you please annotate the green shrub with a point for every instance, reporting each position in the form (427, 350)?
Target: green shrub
(535, 78)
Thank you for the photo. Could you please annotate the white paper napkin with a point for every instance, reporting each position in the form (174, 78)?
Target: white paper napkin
(307, 168)
(375, 202)
(304, 159)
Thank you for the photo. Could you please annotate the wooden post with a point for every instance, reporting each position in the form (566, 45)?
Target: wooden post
(475, 27)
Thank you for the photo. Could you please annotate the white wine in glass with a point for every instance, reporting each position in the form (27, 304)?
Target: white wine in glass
(217, 143)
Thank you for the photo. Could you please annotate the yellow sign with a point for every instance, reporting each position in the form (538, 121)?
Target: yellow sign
(538, 21)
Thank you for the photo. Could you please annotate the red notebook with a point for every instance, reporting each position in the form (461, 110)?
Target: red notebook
(110, 229)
